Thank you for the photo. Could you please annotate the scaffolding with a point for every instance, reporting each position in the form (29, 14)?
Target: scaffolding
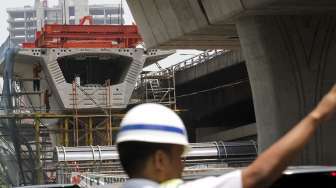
(22, 97)
(159, 86)
(72, 129)
(92, 132)
(105, 121)
(18, 136)
(156, 87)
(30, 135)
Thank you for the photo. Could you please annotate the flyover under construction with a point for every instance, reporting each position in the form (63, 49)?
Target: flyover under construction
(91, 72)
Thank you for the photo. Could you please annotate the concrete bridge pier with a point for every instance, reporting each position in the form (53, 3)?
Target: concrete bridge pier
(289, 47)
(291, 62)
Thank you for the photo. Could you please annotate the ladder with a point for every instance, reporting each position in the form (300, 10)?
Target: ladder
(155, 88)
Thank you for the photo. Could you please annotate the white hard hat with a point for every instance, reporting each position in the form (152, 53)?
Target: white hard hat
(153, 123)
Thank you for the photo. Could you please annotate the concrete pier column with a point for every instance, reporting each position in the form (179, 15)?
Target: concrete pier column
(291, 61)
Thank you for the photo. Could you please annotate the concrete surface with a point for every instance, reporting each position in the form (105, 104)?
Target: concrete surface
(180, 24)
(215, 64)
(208, 24)
(291, 65)
(220, 99)
(218, 134)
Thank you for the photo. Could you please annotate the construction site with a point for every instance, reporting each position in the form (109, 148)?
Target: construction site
(66, 91)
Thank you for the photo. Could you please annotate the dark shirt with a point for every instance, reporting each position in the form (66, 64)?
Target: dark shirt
(46, 97)
(36, 71)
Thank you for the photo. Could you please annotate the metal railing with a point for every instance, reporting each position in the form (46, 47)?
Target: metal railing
(191, 62)
(198, 59)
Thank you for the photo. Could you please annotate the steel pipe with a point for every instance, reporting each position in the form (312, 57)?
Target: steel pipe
(211, 150)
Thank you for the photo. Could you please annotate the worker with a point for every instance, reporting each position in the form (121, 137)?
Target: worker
(37, 68)
(152, 139)
(47, 94)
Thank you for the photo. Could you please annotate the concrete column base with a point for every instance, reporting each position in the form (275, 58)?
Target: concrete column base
(291, 61)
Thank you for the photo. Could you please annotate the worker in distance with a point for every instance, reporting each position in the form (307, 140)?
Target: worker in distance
(153, 139)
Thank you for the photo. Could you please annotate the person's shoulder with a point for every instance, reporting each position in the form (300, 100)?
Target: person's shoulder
(173, 183)
(140, 183)
(231, 179)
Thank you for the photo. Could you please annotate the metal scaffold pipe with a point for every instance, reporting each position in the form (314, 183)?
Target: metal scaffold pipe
(226, 151)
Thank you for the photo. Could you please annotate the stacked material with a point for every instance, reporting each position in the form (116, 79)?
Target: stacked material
(204, 158)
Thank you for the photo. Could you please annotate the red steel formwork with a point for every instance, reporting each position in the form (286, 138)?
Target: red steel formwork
(86, 36)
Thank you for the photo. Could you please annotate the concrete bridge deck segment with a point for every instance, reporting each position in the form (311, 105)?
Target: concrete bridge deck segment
(290, 52)
(219, 62)
(211, 88)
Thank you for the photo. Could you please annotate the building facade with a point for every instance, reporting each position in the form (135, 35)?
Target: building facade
(25, 21)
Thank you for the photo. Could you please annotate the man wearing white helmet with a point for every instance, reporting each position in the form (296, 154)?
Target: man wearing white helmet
(152, 139)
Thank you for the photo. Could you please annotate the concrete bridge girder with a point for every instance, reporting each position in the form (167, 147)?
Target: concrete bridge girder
(180, 24)
(218, 63)
(288, 45)
(207, 24)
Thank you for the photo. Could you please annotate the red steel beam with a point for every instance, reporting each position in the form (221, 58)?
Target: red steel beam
(86, 36)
